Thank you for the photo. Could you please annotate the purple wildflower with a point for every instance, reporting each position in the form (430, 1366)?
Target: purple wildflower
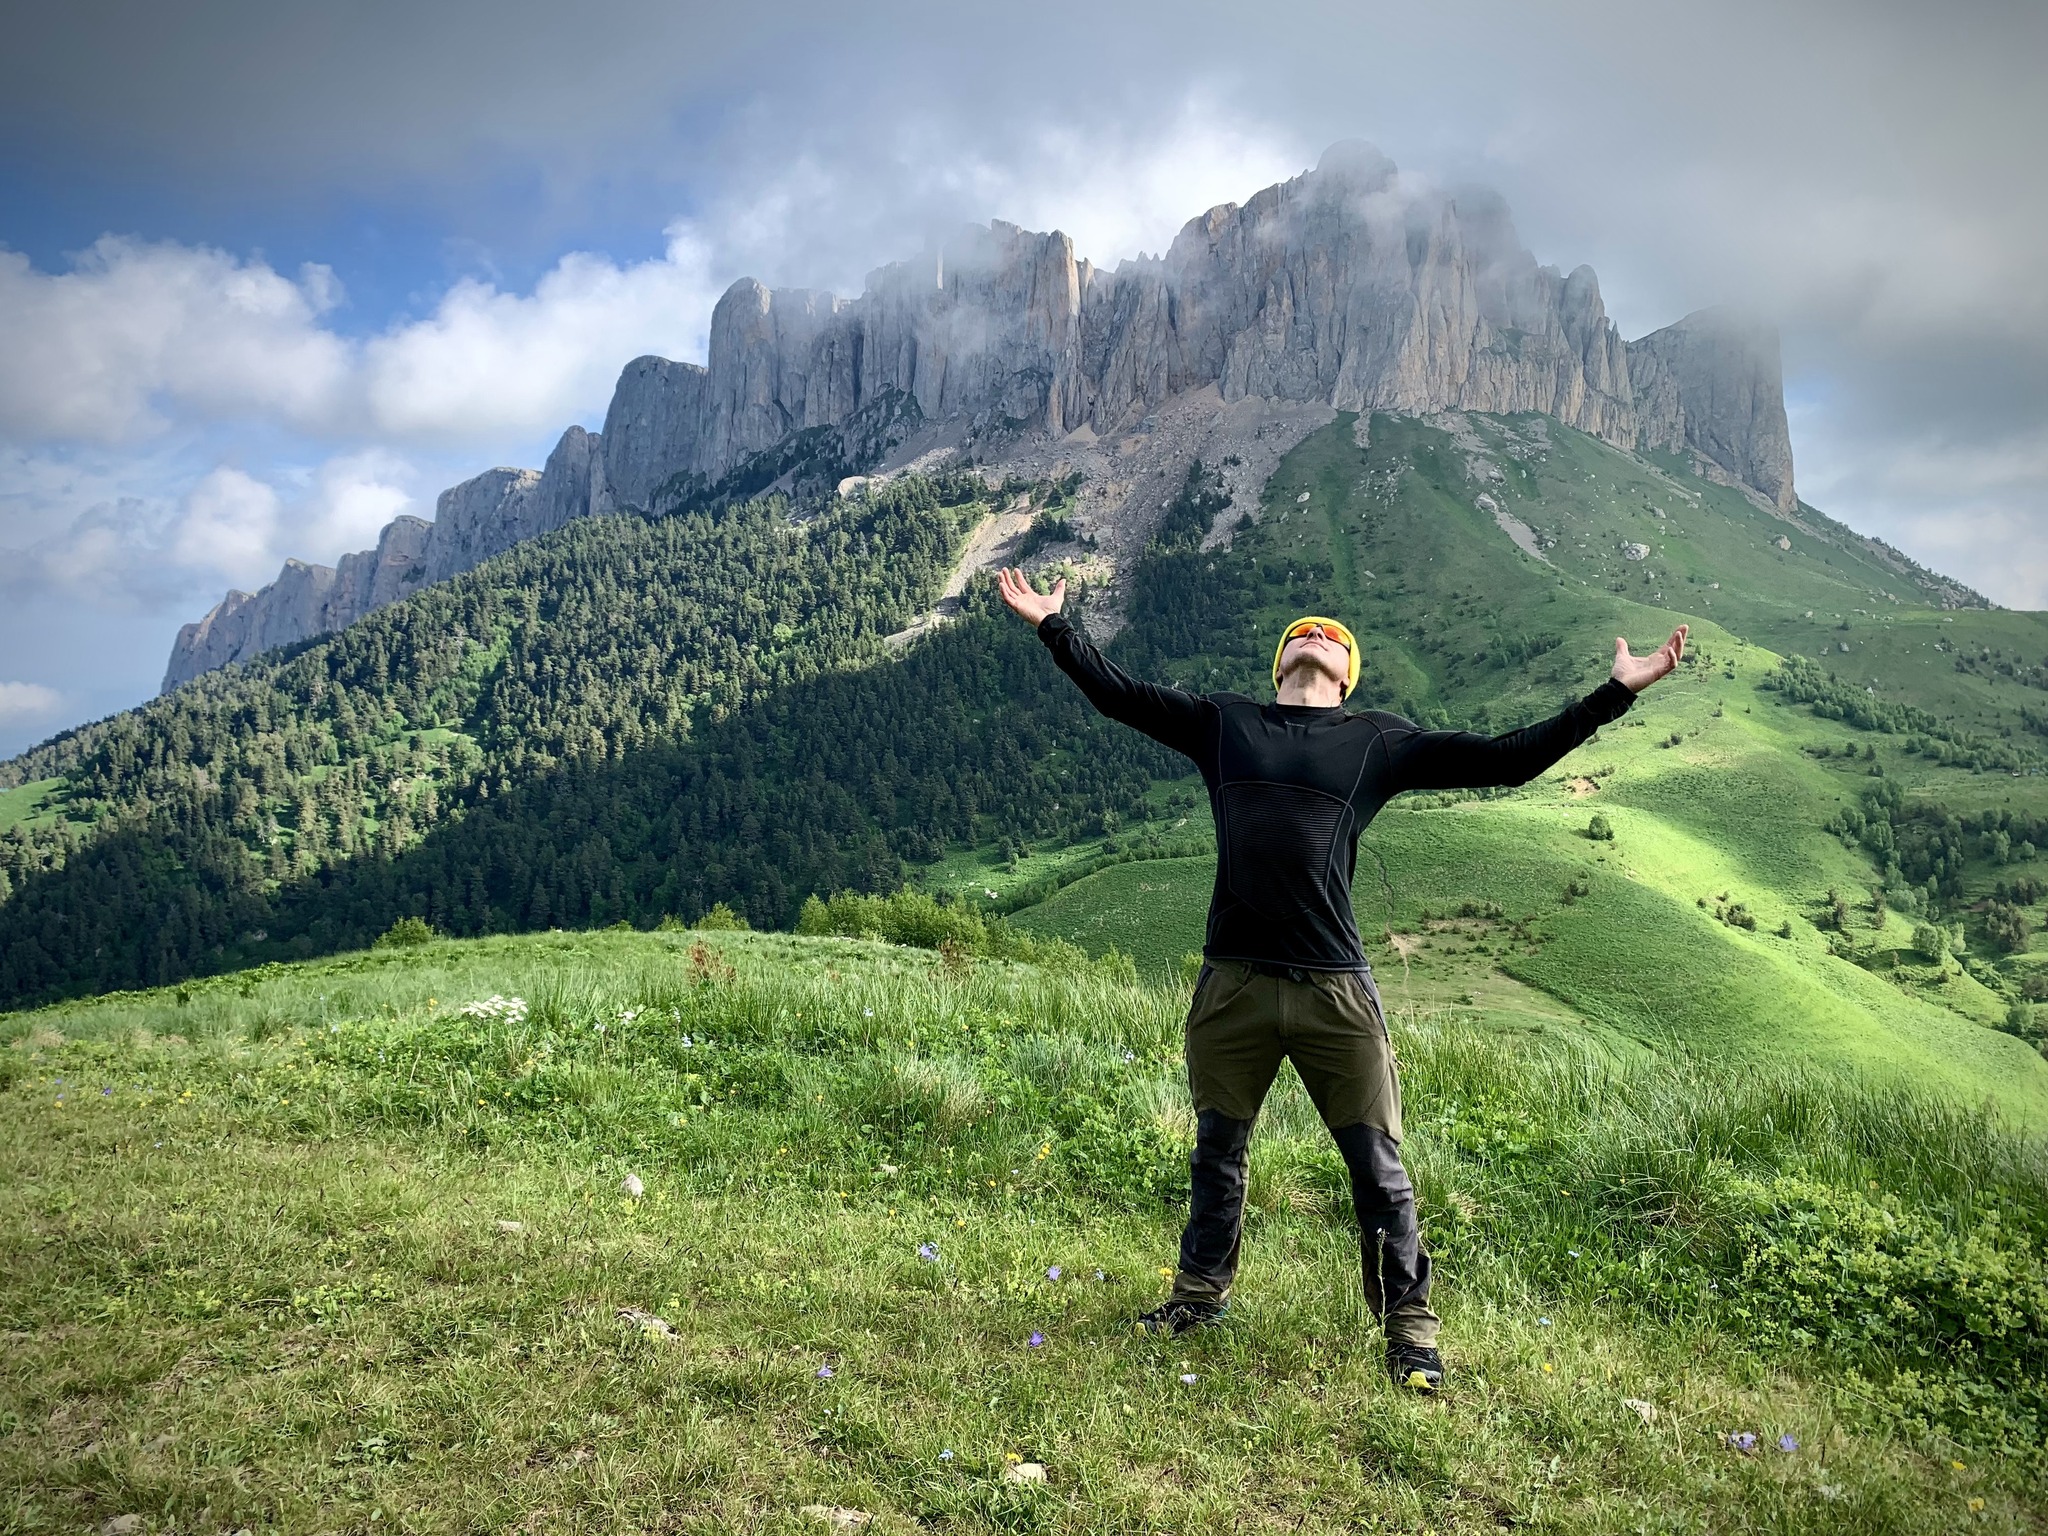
(945, 1455)
(1787, 1444)
(1034, 1341)
(929, 1252)
(825, 1373)
(1741, 1440)
(1053, 1273)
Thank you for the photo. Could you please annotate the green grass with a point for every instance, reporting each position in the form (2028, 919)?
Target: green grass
(259, 1274)
(30, 805)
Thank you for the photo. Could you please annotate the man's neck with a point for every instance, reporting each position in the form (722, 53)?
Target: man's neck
(1313, 693)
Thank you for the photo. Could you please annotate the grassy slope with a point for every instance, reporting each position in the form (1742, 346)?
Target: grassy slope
(30, 805)
(260, 1277)
(1733, 811)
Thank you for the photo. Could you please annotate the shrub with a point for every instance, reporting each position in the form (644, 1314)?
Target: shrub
(1901, 1290)
(2006, 927)
(1931, 940)
(721, 919)
(406, 933)
(916, 919)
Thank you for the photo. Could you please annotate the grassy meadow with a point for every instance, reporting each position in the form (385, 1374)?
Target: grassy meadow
(347, 1246)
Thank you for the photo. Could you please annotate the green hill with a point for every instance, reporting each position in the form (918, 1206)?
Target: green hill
(1699, 926)
(343, 1244)
(1832, 860)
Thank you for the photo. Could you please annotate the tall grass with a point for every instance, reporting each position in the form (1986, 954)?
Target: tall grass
(1689, 1194)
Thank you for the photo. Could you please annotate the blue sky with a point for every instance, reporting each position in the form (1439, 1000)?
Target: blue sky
(273, 272)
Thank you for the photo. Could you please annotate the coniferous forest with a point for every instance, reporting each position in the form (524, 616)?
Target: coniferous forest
(623, 721)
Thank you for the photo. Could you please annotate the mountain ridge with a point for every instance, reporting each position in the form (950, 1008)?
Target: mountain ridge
(1343, 288)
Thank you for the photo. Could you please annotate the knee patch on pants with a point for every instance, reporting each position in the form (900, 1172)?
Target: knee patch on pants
(1378, 1181)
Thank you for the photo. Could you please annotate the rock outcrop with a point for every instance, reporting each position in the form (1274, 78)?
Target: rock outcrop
(1344, 288)
(1710, 386)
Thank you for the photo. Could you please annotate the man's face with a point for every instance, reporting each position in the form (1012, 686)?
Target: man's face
(1319, 653)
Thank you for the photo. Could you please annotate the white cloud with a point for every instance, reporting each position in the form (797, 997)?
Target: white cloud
(21, 703)
(490, 362)
(226, 526)
(139, 338)
(135, 333)
(1117, 189)
(346, 505)
(229, 526)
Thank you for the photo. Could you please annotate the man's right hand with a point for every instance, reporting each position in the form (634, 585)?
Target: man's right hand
(1021, 600)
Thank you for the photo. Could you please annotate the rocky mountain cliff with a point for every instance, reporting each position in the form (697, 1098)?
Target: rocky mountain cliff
(1344, 288)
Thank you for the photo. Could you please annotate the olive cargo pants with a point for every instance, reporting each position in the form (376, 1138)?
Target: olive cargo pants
(1244, 1020)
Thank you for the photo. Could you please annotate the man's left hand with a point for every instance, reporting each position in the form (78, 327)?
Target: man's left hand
(1635, 673)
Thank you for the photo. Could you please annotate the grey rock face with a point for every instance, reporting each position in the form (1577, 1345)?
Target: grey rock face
(468, 518)
(1711, 385)
(653, 429)
(1343, 288)
(371, 578)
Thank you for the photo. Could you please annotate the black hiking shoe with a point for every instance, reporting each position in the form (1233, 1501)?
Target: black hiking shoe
(1178, 1315)
(1416, 1367)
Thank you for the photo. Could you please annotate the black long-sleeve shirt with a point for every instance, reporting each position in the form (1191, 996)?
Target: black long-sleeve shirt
(1292, 786)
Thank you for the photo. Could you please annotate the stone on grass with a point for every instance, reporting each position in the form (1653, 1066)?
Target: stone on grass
(837, 1518)
(121, 1525)
(511, 1226)
(1025, 1472)
(1647, 1412)
(632, 1186)
(654, 1327)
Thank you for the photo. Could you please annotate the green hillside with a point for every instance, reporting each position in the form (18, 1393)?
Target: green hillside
(1719, 788)
(1834, 860)
(344, 1246)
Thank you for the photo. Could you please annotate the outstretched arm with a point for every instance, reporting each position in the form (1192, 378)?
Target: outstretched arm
(1169, 716)
(1466, 760)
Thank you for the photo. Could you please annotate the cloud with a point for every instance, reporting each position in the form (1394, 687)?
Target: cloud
(824, 209)
(347, 502)
(137, 338)
(137, 330)
(229, 526)
(25, 703)
(490, 362)
(1973, 507)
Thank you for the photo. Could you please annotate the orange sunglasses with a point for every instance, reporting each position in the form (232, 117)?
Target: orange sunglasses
(1328, 630)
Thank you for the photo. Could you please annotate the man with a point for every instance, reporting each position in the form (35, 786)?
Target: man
(1291, 785)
